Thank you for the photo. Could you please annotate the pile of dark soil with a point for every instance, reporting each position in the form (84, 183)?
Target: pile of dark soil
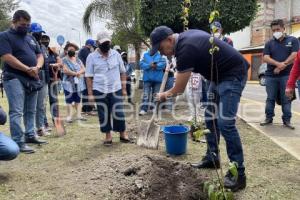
(155, 177)
(134, 177)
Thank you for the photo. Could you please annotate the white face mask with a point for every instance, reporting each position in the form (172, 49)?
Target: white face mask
(277, 35)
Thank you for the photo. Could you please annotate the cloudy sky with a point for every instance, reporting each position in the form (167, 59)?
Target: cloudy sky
(60, 16)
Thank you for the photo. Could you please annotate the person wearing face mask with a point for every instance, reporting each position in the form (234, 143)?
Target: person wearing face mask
(279, 54)
(55, 66)
(82, 55)
(36, 30)
(219, 34)
(106, 82)
(23, 60)
(73, 81)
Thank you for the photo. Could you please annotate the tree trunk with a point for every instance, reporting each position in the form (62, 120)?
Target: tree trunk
(137, 48)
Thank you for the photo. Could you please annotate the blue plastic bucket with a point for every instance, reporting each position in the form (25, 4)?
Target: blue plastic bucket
(176, 139)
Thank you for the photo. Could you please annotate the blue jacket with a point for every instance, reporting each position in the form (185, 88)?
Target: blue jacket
(150, 75)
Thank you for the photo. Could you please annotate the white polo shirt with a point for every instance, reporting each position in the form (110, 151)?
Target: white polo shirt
(105, 71)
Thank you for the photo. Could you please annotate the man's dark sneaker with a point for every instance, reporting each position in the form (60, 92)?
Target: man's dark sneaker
(233, 183)
(26, 149)
(289, 125)
(207, 164)
(35, 140)
(266, 122)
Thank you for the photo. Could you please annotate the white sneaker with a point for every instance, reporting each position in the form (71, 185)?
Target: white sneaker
(48, 129)
(142, 113)
(69, 120)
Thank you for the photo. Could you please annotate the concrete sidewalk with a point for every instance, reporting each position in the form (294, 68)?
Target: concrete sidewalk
(253, 112)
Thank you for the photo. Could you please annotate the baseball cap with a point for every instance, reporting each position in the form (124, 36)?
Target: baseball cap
(36, 28)
(90, 42)
(157, 36)
(216, 24)
(117, 47)
(123, 53)
(103, 37)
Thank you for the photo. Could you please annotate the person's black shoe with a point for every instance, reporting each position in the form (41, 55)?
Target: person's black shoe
(108, 143)
(289, 125)
(125, 140)
(35, 140)
(26, 149)
(230, 182)
(266, 122)
(207, 164)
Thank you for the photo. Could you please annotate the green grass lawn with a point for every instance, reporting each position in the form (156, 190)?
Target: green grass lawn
(63, 168)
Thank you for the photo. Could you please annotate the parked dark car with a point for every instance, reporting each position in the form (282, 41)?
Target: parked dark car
(261, 74)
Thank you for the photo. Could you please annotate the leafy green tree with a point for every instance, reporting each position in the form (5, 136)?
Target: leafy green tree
(6, 6)
(123, 18)
(234, 14)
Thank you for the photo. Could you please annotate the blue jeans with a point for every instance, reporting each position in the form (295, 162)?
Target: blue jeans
(110, 106)
(169, 103)
(224, 107)
(20, 103)
(205, 86)
(150, 89)
(273, 86)
(41, 107)
(9, 150)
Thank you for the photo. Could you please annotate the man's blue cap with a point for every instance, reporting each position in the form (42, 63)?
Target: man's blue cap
(157, 36)
(216, 24)
(36, 28)
(90, 42)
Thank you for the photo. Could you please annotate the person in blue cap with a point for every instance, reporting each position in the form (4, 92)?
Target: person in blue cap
(228, 79)
(23, 60)
(86, 50)
(219, 34)
(89, 47)
(37, 31)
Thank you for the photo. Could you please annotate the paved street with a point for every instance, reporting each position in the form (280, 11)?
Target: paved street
(252, 110)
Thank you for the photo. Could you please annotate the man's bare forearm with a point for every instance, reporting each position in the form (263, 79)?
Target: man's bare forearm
(270, 61)
(40, 61)
(180, 84)
(291, 58)
(15, 63)
(123, 80)
(89, 84)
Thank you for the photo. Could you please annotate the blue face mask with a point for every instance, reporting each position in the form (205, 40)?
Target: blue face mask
(22, 30)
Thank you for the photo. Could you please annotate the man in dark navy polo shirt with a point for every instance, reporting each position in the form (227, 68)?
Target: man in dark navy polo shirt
(228, 79)
(279, 53)
(22, 58)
